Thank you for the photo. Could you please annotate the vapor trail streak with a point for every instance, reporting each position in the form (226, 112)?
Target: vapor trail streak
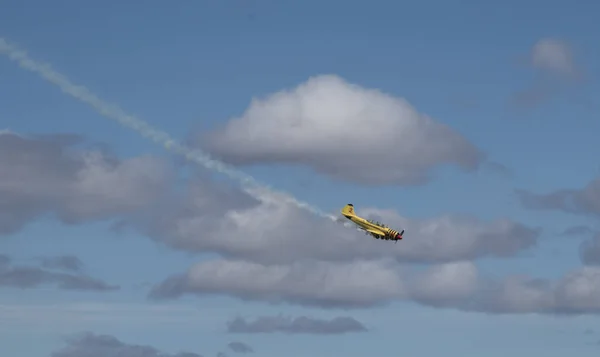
(111, 111)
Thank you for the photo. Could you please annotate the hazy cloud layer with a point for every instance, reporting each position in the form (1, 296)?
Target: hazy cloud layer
(44, 175)
(93, 345)
(343, 130)
(26, 277)
(555, 56)
(240, 347)
(65, 262)
(499, 169)
(214, 218)
(297, 325)
(585, 201)
(590, 251)
(555, 65)
(580, 230)
(364, 284)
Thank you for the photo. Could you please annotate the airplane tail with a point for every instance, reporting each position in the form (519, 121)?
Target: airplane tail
(348, 210)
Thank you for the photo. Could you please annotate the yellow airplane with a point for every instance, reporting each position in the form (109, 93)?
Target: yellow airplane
(376, 229)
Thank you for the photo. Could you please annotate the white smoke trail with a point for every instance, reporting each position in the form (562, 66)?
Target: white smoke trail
(111, 111)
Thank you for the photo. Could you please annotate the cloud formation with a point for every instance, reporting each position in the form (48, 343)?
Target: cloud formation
(288, 254)
(26, 277)
(555, 65)
(324, 284)
(583, 201)
(357, 284)
(46, 176)
(589, 251)
(208, 217)
(297, 325)
(93, 345)
(64, 262)
(283, 250)
(579, 230)
(457, 285)
(554, 56)
(51, 176)
(240, 347)
(343, 130)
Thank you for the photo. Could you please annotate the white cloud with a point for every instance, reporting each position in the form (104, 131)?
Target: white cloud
(589, 251)
(297, 325)
(443, 284)
(361, 284)
(93, 345)
(553, 55)
(29, 277)
(555, 61)
(44, 175)
(48, 175)
(584, 201)
(213, 218)
(456, 237)
(356, 284)
(343, 130)
(517, 294)
(579, 291)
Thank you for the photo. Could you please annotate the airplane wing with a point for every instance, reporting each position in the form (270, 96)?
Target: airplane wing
(373, 231)
(350, 224)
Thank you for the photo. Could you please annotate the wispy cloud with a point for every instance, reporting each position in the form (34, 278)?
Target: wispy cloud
(65, 262)
(93, 345)
(555, 66)
(68, 316)
(27, 277)
(240, 347)
(298, 325)
(580, 230)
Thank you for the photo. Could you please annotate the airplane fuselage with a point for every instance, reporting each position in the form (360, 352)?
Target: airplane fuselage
(372, 228)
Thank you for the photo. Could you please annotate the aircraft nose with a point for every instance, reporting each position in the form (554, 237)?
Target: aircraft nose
(399, 237)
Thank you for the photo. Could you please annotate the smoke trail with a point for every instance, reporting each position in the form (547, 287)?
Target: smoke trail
(111, 111)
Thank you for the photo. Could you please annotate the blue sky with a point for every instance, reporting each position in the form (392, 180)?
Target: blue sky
(190, 67)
